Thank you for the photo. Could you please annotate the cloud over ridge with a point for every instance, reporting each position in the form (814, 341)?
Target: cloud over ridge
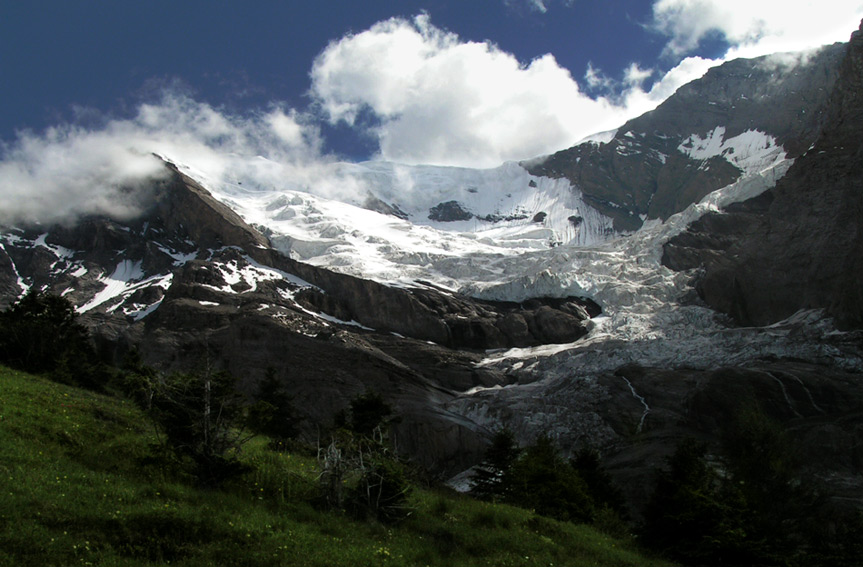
(755, 28)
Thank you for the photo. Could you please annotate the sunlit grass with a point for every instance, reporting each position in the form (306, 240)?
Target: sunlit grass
(79, 486)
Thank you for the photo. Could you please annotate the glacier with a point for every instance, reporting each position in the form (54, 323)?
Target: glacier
(513, 214)
(650, 314)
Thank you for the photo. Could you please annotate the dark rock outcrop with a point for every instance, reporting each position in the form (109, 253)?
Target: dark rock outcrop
(451, 319)
(373, 203)
(819, 407)
(450, 211)
(636, 416)
(183, 206)
(800, 245)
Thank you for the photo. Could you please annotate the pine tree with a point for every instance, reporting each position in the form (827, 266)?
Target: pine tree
(40, 334)
(490, 477)
(202, 417)
(273, 413)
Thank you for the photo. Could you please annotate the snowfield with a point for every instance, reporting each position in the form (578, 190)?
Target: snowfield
(519, 236)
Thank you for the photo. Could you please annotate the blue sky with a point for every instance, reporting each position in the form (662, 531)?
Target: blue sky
(61, 58)
(87, 60)
(98, 86)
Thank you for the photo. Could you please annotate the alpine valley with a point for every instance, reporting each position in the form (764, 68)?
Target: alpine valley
(623, 294)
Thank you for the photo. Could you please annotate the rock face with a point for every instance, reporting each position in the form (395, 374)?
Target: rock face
(799, 246)
(645, 171)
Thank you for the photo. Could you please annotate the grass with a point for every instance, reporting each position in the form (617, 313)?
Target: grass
(79, 486)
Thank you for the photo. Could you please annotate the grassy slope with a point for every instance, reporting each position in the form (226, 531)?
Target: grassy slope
(77, 488)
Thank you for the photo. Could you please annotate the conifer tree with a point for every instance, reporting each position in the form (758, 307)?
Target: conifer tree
(490, 477)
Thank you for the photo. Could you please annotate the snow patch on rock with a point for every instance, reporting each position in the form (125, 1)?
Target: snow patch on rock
(752, 151)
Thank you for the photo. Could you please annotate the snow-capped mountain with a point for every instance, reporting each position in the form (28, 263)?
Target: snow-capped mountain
(397, 224)
(707, 135)
(574, 294)
(406, 223)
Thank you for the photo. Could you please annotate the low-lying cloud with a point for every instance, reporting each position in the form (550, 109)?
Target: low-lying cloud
(69, 171)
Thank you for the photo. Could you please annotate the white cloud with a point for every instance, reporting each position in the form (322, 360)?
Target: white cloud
(756, 28)
(434, 98)
(637, 101)
(69, 171)
(540, 6)
(635, 75)
(286, 127)
(445, 101)
(596, 79)
(438, 99)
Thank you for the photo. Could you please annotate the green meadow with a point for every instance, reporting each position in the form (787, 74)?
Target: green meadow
(83, 482)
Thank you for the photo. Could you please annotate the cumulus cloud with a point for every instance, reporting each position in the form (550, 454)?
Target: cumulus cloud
(445, 101)
(755, 28)
(540, 6)
(69, 171)
(436, 98)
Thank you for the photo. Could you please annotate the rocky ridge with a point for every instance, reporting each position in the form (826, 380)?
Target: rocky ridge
(646, 171)
(799, 245)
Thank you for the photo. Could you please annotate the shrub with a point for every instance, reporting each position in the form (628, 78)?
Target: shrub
(382, 491)
(358, 471)
(541, 480)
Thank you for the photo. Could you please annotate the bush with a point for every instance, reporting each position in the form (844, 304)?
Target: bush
(358, 472)
(382, 492)
(541, 480)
